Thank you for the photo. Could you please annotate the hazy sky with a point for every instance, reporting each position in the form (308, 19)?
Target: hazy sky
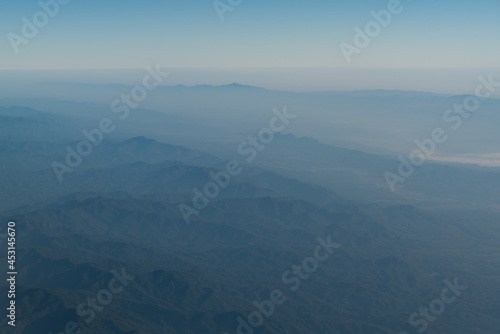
(97, 34)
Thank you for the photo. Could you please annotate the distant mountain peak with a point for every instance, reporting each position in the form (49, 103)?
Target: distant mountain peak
(233, 85)
(237, 85)
(140, 139)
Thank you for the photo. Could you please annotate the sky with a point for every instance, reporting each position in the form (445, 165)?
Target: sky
(126, 34)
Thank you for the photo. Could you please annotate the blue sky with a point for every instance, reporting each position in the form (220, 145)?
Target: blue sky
(94, 34)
